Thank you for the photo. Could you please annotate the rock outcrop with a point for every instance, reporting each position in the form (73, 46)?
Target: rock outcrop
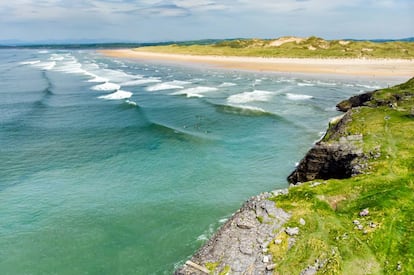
(327, 160)
(240, 245)
(355, 101)
(338, 155)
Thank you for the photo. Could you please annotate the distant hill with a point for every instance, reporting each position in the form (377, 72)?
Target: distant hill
(298, 47)
(408, 39)
(310, 42)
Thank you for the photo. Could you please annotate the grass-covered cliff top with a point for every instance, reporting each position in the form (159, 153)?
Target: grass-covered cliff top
(312, 47)
(335, 235)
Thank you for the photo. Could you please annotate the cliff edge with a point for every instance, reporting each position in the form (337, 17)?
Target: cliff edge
(349, 208)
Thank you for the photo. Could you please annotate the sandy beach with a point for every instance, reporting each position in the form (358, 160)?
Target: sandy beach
(398, 68)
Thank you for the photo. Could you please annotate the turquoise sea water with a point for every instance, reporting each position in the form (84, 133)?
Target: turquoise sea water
(124, 167)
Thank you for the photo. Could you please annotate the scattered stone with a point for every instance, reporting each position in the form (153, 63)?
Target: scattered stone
(278, 241)
(310, 270)
(246, 248)
(291, 242)
(399, 267)
(270, 267)
(264, 245)
(302, 221)
(280, 192)
(266, 259)
(292, 231)
(197, 267)
(360, 227)
(364, 212)
(241, 239)
(356, 222)
(247, 220)
(372, 225)
(315, 184)
(365, 232)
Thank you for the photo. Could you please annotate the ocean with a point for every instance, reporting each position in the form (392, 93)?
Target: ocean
(114, 166)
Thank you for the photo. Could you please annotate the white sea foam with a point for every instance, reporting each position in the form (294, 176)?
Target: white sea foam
(195, 91)
(221, 221)
(163, 86)
(227, 84)
(305, 84)
(107, 86)
(130, 102)
(45, 65)
(326, 83)
(30, 62)
(246, 97)
(120, 94)
(245, 109)
(141, 81)
(202, 237)
(116, 76)
(369, 86)
(71, 67)
(96, 78)
(178, 82)
(43, 51)
(298, 96)
(56, 57)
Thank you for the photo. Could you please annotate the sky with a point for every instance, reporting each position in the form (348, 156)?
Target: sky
(166, 20)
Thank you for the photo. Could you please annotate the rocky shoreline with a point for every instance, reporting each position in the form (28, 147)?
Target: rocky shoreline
(241, 245)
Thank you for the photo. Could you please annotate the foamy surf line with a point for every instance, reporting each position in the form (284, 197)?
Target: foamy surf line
(195, 91)
(118, 95)
(256, 95)
(373, 68)
(107, 86)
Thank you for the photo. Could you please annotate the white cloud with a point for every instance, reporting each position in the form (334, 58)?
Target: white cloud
(167, 19)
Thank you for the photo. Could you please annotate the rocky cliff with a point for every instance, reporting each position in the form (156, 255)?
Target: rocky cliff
(314, 226)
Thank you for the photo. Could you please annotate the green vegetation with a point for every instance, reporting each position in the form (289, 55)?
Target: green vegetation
(384, 241)
(312, 47)
(213, 266)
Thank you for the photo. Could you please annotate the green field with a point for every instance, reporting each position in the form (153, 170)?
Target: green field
(385, 242)
(312, 47)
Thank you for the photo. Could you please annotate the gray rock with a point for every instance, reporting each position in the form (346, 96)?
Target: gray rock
(310, 270)
(291, 242)
(364, 212)
(292, 231)
(246, 247)
(302, 221)
(247, 220)
(280, 192)
(270, 267)
(239, 243)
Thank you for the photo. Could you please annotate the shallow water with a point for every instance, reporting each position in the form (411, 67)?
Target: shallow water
(118, 167)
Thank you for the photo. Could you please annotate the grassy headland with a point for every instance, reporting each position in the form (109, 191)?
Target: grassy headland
(335, 235)
(312, 47)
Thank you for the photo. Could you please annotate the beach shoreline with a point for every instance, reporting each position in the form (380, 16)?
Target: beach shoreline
(373, 68)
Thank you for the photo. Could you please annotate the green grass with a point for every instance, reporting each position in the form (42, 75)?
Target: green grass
(312, 47)
(387, 190)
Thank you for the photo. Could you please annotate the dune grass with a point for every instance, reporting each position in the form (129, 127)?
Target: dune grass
(312, 47)
(385, 243)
